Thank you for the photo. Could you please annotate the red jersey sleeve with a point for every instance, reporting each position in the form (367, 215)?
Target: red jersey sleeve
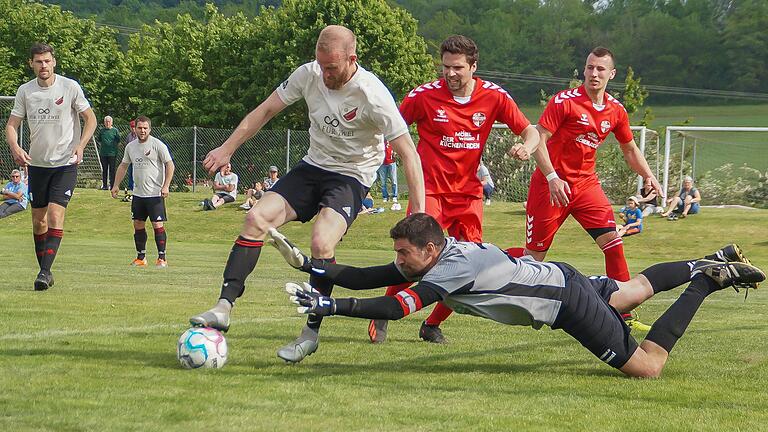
(409, 108)
(511, 115)
(553, 115)
(622, 132)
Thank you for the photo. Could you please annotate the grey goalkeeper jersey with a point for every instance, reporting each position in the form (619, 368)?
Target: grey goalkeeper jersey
(480, 279)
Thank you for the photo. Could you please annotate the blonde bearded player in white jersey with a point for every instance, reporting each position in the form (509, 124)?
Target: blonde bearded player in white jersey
(351, 113)
(51, 104)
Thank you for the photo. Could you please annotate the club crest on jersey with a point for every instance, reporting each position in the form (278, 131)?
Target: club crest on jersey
(148, 152)
(440, 116)
(583, 120)
(351, 114)
(478, 119)
(605, 126)
(59, 101)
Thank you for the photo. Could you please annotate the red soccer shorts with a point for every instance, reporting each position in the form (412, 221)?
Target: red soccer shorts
(460, 215)
(589, 206)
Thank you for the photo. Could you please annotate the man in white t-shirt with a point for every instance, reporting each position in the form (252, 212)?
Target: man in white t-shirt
(485, 179)
(224, 188)
(51, 104)
(351, 113)
(152, 173)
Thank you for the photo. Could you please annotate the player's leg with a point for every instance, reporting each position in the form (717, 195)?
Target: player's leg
(340, 199)
(706, 278)
(157, 216)
(271, 211)
(139, 232)
(61, 187)
(327, 231)
(39, 179)
(542, 220)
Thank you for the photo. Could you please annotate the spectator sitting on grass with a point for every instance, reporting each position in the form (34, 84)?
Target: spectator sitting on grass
(685, 203)
(253, 195)
(272, 179)
(632, 217)
(649, 199)
(224, 188)
(15, 195)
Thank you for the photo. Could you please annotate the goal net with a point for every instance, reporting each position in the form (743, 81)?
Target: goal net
(729, 165)
(512, 177)
(89, 171)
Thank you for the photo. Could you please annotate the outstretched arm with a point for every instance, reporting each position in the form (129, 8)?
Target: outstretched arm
(354, 278)
(404, 303)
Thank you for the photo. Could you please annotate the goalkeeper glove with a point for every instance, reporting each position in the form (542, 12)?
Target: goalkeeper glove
(309, 300)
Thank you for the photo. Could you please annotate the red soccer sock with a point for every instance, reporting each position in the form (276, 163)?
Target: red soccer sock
(439, 314)
(515, 252)
(615, 263)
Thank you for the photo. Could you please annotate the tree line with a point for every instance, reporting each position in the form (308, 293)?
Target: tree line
(208, 64)
(209, 71)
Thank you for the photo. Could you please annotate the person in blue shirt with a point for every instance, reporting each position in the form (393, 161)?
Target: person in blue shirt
(632, 217)
(15, 195)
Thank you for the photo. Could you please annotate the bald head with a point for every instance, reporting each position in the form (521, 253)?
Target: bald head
(336, 38)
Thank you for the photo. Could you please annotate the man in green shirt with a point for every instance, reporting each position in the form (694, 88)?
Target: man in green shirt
(108, 138)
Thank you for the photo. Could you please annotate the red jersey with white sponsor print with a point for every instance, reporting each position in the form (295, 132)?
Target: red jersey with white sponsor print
(452, 135)
(578, 128)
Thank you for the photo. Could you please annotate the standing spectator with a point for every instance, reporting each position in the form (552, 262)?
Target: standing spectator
(128, 139)
(253, 195)
(15, 195)
(272, 179)
(685, 203)
(485, 178)
(224, 188)
(51, 104)
(632, 217)
(649, 199)
(388, 170)
(154, 171)
(108, 139)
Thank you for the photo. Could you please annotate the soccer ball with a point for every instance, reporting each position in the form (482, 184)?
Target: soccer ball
(202, 347)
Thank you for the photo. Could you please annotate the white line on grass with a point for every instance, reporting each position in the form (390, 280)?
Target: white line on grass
(48, 334)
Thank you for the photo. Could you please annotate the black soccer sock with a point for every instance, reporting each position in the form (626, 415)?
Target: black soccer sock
(324, 286)
(52, 243)
(241, 262)
(140, 239)
(669, 275)
(160, 239)
(40, 247)
(672, 324)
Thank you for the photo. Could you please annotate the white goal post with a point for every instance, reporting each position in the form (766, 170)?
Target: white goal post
(681, 131)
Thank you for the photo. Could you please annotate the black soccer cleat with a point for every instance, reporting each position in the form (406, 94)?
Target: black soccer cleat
(726, 274)
(43, 281)
(431, 333)
(732, 253)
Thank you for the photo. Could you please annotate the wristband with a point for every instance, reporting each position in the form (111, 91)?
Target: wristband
(551, 176)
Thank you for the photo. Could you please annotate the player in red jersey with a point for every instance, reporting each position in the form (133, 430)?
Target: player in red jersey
(573, 125)
(454, 116)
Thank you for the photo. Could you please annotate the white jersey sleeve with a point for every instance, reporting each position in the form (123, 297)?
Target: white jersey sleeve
(19, 104)
(383, 112)
(292, 89)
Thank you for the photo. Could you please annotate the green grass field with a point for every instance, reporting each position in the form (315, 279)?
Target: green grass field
(97, 351)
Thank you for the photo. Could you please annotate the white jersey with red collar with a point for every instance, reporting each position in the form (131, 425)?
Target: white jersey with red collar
(452, 134)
